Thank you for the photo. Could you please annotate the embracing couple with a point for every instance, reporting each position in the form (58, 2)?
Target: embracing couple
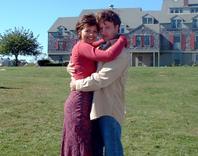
(94, 109)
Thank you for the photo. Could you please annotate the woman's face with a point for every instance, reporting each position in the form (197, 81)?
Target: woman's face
(89, 34)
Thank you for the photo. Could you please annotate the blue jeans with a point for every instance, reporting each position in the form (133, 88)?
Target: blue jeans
(106, 137)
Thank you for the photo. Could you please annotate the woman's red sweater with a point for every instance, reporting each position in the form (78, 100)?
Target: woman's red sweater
(85, 56)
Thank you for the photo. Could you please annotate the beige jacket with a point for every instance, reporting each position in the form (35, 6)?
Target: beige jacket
(108, 83)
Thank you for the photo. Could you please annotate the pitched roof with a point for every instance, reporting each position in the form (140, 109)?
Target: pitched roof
(129, 16)
(166, 18)
(132, 17)
(153, 27)
(192, 1)
(171, 4)
(155, 14)
(67, 22)
(176, 4)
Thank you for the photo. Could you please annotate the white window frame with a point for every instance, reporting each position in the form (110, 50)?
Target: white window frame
(196, 41)
(149, 41)
(146, 20)
(194, 10)
(176, 10)
(177, 44)
(195, 23)
(177, 24)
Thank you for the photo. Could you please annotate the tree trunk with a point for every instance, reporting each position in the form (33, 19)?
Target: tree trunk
(16, 60)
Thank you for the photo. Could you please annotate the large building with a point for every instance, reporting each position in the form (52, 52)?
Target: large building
(158, 38)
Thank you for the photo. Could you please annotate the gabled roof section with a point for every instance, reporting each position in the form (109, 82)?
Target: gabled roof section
(129, 16)
(68, 22)
(166, 18)
(148, 15)
(193, 2)
(177, 17)
(171, 4)
(177, 4)
(153, 28)
(154, 14)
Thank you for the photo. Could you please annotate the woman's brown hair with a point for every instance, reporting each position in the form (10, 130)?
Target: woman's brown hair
(86, 20)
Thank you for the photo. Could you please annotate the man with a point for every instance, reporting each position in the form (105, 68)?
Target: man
(108, 85)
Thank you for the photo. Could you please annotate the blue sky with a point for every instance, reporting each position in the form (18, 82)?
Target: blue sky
(39, 15)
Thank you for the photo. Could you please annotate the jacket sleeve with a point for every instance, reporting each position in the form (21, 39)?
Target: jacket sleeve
(96, 54)
(109, 72)
(97, 43)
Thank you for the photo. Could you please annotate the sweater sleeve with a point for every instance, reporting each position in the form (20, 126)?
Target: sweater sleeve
(96, 54)
(109, 72)
(97, 43)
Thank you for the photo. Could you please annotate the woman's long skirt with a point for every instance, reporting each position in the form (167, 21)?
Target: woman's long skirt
(76, 139)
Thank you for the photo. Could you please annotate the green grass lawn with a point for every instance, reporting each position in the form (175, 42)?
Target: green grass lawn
(161, 119)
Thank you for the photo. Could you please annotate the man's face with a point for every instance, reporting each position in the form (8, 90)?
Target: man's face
(108, 30)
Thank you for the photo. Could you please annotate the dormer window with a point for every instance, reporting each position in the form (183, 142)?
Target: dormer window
(148, 20)
(61, 30)
(176, 23)
(195, 23)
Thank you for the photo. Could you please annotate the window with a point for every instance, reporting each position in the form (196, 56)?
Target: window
(195, 23)
(60, 59)
(176, 10)
(196, 58)
(138, 40)
(122, 30)
(140, 61)
(143, 40)
(176, 23)
(177, 58)
(196, 42)
(144, 20)
(148, 20)
(146, 40)
(177, 42)
(60, 30)
(60, 45)
(194, 10)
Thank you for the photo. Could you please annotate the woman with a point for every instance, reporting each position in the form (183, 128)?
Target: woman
(76, 139)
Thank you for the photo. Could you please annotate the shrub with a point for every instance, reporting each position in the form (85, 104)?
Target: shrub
(47, 62)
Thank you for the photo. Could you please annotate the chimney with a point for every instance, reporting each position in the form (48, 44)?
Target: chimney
(185, 2)
(111, 6)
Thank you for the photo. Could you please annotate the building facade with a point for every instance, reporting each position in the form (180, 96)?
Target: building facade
(158, 38)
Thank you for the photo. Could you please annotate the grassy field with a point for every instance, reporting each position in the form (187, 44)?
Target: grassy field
(161, 119)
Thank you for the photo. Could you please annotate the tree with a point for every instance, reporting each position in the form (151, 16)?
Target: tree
(19, 41)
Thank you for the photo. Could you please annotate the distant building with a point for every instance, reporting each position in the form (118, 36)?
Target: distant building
(5, 62)
(158, 38)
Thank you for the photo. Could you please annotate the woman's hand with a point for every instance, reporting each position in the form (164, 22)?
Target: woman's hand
(72, 84)
(70, 68)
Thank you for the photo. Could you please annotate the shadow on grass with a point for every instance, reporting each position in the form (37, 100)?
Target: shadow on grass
(2, 87)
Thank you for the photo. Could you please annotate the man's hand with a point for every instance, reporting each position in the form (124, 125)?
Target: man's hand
(72, 84)
(70, 68)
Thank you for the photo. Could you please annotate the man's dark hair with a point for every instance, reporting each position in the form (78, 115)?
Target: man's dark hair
(108, 15)
(86, 20)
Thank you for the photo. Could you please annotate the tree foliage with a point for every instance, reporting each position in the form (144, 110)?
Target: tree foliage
(19, 41)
